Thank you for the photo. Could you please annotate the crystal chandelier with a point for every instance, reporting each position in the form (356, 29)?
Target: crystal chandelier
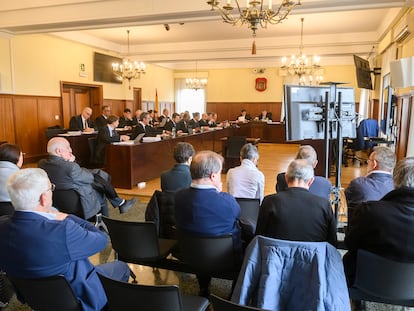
(128, 70)
(307, 71)
(195, 83)
(254, 14)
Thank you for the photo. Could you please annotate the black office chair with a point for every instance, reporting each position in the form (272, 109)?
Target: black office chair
(160, 210)
(53, 131)
(127, 296)
(92, 147)
(220, 304)
(209, 256)
(249, 213)
(6, 208)
(138, 242)
(6, 290)
(234, 145)
(383, 280)
(47, 294)
(68, 201)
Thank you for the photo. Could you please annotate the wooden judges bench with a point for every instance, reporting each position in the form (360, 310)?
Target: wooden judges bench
(131, 164)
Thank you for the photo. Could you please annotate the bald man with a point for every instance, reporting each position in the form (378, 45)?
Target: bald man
(82, 122)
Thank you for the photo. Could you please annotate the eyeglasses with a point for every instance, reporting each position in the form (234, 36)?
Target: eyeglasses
(52, 187)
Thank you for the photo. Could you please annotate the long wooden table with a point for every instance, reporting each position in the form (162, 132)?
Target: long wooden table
(131, 164)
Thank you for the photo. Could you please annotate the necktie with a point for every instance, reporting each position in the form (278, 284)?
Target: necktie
(85, 124)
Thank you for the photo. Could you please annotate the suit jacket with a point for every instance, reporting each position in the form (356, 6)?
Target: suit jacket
(182, 126)
(76, 124)
(368, 188)
(384, 227)
(320, 186)
(170, 125)
(33, 246)
(297, 215)
(268, 116)
(178, 177)
(69, 175)
(203, 122)
(193, 123)
(100, 122)
(126, 122)
(104, 138)
(207, 212)
(149, 131)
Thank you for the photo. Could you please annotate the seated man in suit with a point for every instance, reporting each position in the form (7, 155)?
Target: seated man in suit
(320, 186)
(246, 181)
(93, 186)
(182, 125)
(164, 118)
(204, 120)
(107, 135)
(39, 241)
(179, 176)
(172, 123)
(82, 122)
(203, 209)
(144, 126)
(194, 123)
(101, 121)
(264, 116)
(296, 214)
(384, 227)
(126, 121)
(378, 181)
(243, 116)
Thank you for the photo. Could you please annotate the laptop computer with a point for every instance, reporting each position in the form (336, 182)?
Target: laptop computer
(138, 139)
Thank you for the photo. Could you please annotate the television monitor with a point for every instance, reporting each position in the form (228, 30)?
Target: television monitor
(363, 73)
(304, 110)
(102, 68)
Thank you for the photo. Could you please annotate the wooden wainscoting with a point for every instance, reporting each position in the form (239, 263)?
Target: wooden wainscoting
(231, 110)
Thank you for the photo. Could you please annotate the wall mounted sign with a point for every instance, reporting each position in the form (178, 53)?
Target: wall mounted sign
(261, 84)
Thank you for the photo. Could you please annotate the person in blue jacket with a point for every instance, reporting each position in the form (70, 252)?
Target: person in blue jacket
(39, 241)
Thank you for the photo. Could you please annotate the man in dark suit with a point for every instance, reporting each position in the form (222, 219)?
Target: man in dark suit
(127, 121)
(179, 176)
(320, 186)
(194, 122)
(107, 135)
(182, 125)
(144, 126)
(164, 118)
(296, 214)
(39, 241)
(265, 116)
(378, 181)
(101, 121)
(384, 227)
(93, 186)
(82, 122)
(172, 123)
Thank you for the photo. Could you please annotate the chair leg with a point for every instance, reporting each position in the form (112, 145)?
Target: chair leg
(133, 276)
(100, 224)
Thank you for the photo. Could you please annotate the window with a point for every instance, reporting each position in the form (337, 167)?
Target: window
(189, 99)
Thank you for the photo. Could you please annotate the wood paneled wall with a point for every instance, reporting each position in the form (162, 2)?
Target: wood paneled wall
(231, 110)
(25, 120)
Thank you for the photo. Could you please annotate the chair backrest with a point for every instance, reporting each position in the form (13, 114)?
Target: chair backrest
(220, 304)
(128, 296)
(213, 256)
(47, 294)
(133, 241)
(6, 208)
(92, 147)
(249, 208)
(54, 131)
(384, 278)
(234, 145)
(68, 201)
(160, 210)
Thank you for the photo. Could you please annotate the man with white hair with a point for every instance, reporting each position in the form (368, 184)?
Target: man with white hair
(320, 186)
(82, 122)
(296, 214)
(93, 186)
(39, 241)
(246, 181)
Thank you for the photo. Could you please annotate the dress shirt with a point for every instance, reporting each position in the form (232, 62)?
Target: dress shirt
(246, 181)
(6, 170)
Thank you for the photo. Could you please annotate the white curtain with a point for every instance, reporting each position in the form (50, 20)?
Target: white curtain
(189, 99)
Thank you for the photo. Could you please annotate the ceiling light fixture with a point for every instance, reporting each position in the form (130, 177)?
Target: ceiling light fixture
(196, 83)
(254, 14)
(308, 71)
(128, 70)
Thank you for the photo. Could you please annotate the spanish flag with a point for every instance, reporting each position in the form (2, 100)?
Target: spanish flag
(156, 100)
